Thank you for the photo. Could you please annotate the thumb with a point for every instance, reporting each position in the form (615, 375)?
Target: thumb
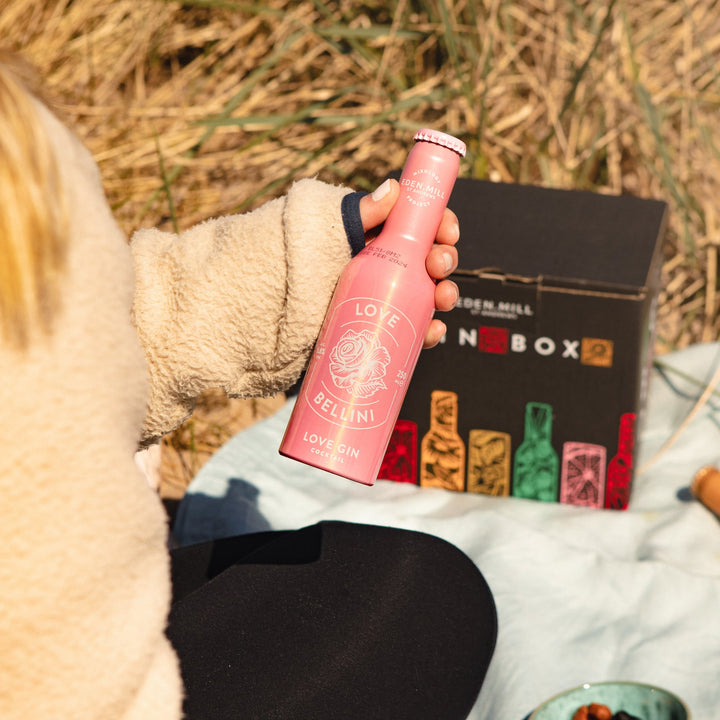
(375, 208)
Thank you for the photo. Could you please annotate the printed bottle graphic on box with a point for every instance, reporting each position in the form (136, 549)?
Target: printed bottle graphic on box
(488, 462)
(583, 476)
(442, 451)
(536, 466)
(400, 461)
(582, 481)
(619, 474)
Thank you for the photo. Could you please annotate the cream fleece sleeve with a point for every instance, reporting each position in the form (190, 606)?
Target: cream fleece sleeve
(236, 302)
(84, 569)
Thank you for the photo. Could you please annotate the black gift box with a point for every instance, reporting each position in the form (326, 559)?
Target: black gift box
(538, 386)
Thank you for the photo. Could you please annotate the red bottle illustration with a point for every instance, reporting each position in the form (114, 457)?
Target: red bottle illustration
(619, 474)
(400, 461)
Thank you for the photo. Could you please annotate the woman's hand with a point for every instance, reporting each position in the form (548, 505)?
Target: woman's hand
(441, 261)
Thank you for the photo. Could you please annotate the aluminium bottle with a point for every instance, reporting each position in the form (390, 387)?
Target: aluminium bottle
(374, 328)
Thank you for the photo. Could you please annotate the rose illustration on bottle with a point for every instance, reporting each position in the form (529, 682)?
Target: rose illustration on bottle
(358, 363)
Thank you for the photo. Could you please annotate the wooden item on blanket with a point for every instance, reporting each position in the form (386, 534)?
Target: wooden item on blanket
(706, 488)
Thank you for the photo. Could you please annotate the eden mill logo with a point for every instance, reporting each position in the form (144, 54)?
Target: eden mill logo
(422, 187)
(503, 309)
(359, 369)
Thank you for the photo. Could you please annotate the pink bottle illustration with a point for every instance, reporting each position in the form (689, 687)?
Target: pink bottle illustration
(582, 479)
(374, 328)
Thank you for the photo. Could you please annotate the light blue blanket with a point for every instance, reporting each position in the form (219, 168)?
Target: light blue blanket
(582, 595)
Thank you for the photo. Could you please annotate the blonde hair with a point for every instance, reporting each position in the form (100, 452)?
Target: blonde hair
(33, 221)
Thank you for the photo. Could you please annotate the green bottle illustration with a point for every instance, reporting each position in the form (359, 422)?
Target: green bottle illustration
(536, 466)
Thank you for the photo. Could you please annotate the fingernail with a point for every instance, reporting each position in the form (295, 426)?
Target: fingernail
(381, 191)
(456, 231)
(448, 261)
(456, 292)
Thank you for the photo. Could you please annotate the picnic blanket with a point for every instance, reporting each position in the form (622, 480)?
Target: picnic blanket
(582, 595)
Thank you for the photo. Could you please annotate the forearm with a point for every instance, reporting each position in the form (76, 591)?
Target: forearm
(237, 302)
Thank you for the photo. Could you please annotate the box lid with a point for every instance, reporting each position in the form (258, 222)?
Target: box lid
(564, 238)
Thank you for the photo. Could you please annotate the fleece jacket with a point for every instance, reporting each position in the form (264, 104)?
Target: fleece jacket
(144, 327)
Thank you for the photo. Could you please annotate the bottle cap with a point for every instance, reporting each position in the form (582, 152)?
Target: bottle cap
(439, 138)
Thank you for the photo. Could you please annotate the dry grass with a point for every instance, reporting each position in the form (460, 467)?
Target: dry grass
(204, 107)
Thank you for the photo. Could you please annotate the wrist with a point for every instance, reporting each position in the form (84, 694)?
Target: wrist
(352, 222)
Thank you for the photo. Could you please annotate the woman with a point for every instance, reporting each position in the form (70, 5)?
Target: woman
(105, 346)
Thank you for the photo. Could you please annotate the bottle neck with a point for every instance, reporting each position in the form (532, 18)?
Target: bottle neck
(425, 186)
(538, 422)
(443, 411)
(626, 435)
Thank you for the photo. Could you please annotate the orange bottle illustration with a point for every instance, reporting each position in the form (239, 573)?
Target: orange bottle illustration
(488, 462)
(442, 451)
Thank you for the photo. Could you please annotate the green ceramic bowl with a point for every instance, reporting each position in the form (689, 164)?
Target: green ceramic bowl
(643, 701)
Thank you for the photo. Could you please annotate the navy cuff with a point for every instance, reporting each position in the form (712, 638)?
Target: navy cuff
(350, 210)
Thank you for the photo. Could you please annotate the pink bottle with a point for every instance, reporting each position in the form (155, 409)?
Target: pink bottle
(374, 328)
